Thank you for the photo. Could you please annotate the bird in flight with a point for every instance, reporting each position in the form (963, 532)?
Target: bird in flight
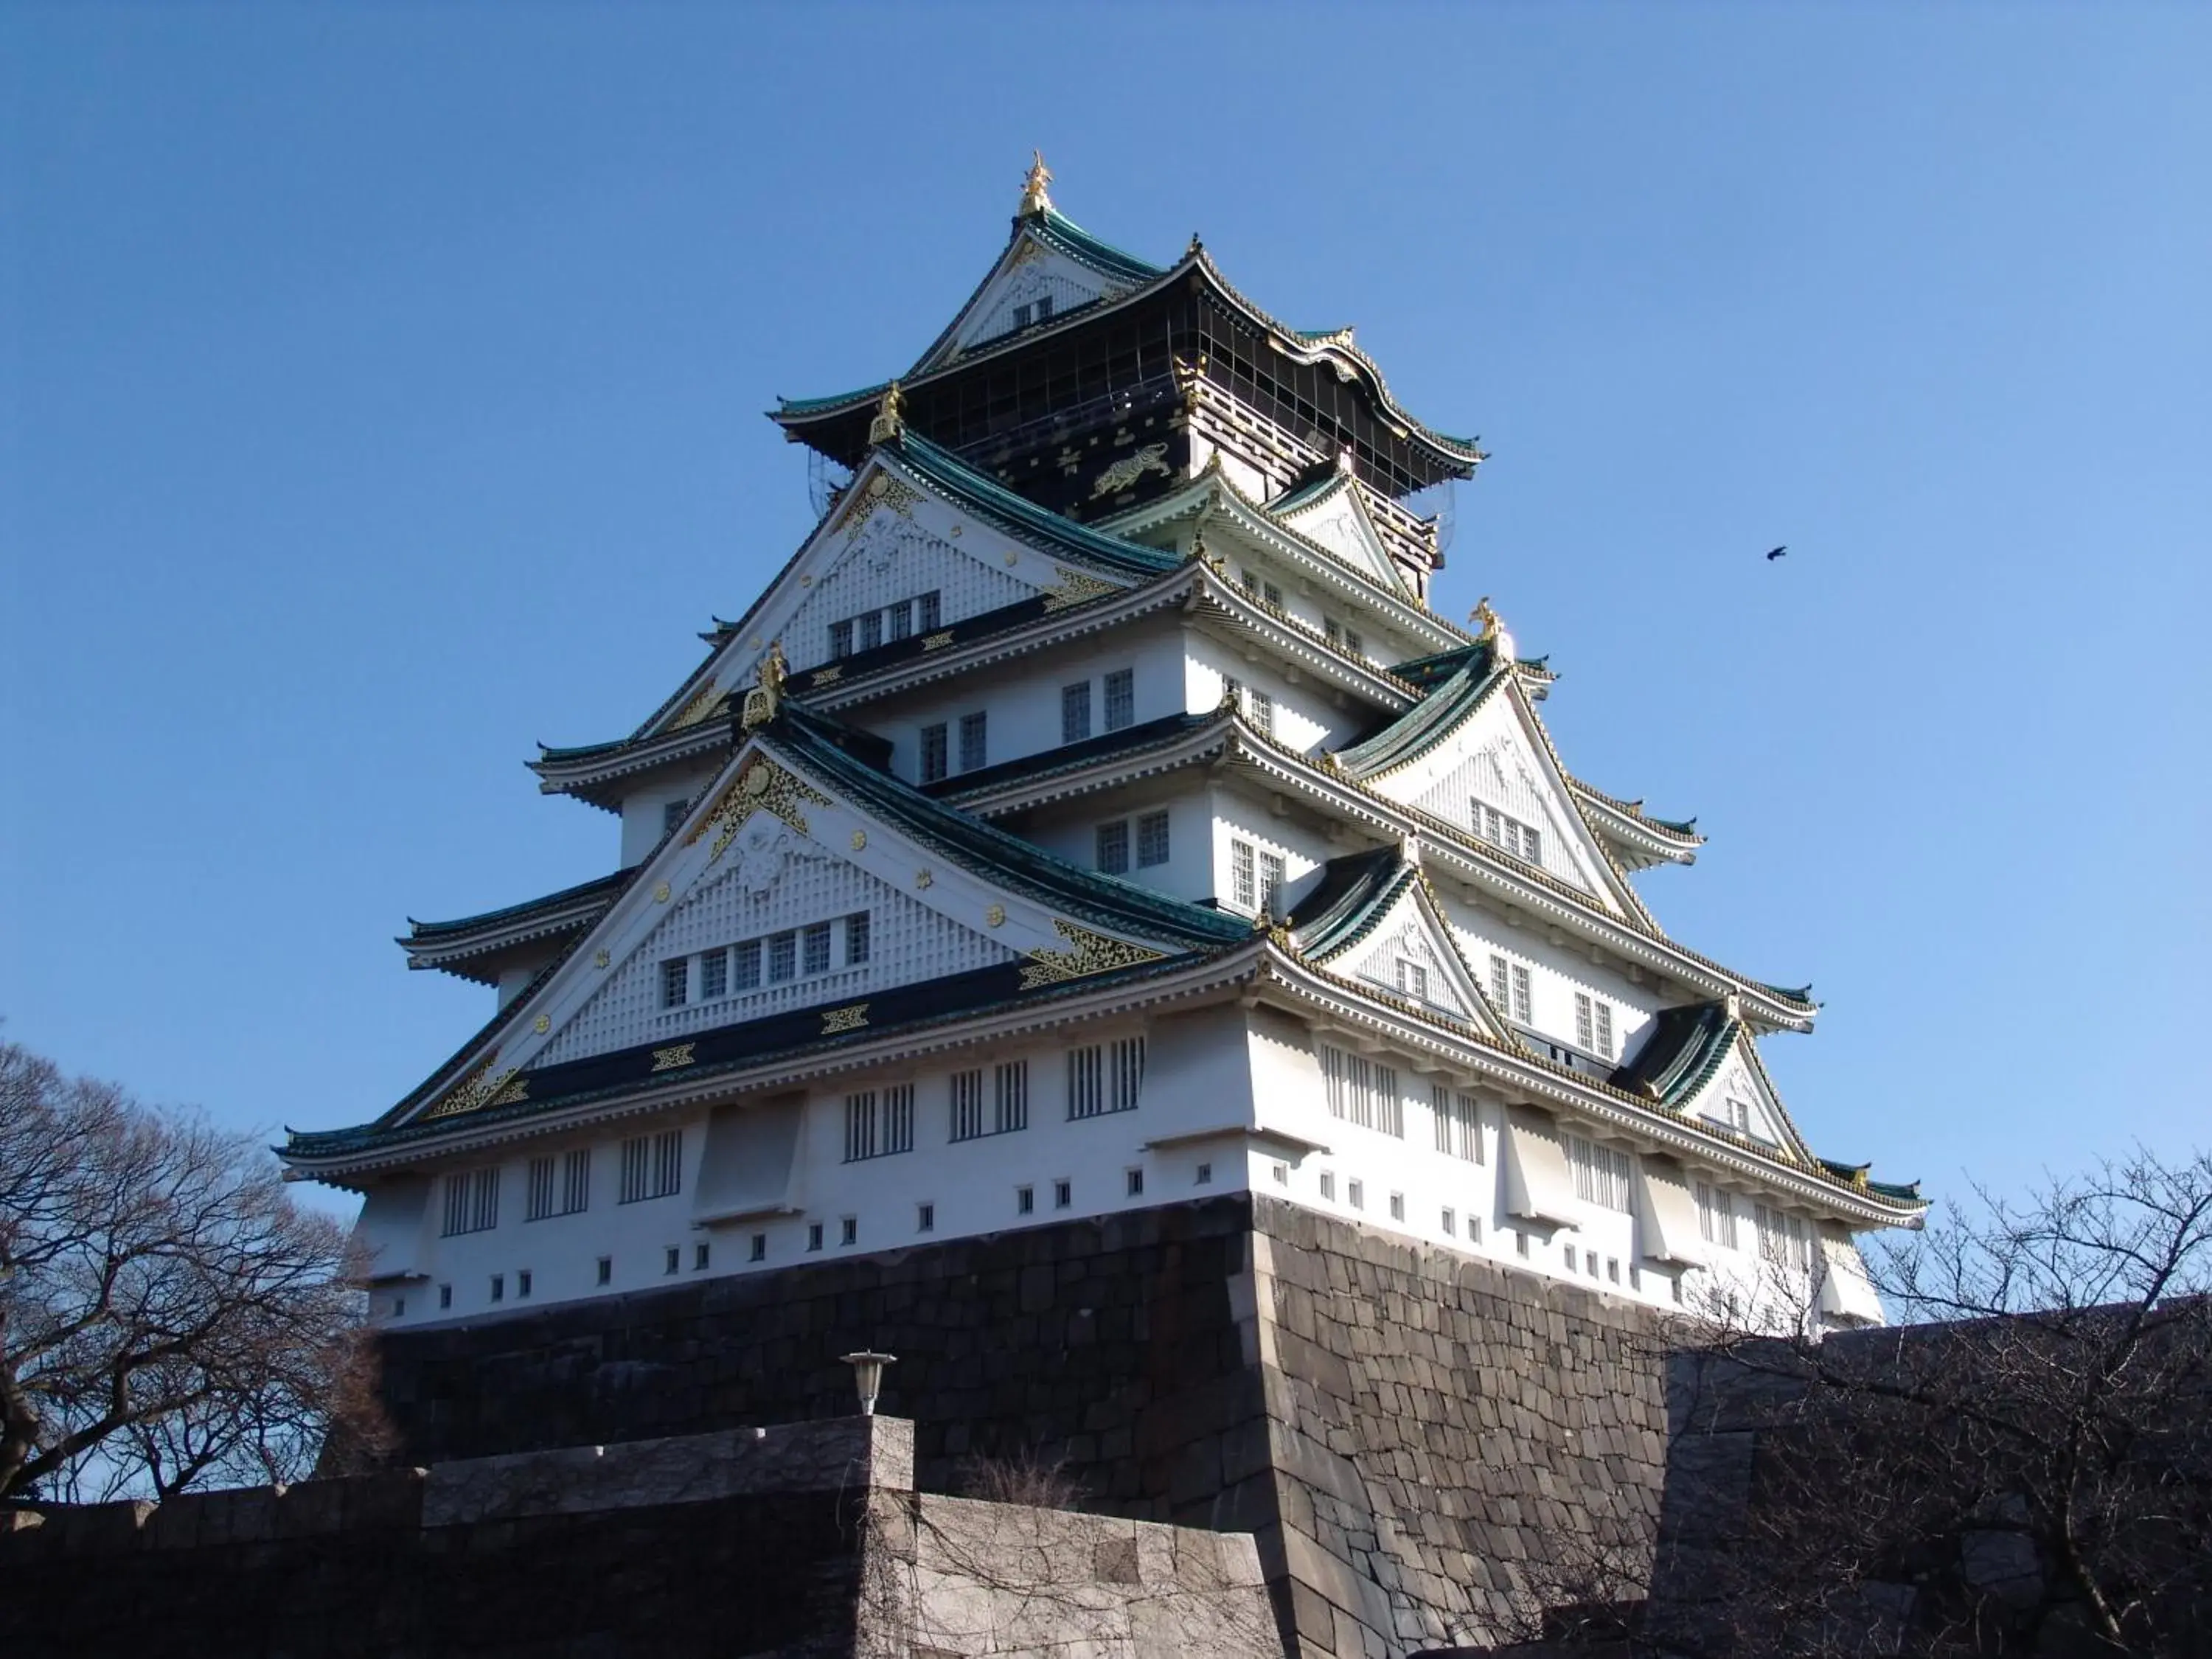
(1777, 552)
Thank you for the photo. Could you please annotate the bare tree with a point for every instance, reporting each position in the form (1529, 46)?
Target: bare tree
(169, 1316)
(2028, 1451)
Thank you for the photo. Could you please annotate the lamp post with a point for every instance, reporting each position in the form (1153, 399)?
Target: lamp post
(868, 1377)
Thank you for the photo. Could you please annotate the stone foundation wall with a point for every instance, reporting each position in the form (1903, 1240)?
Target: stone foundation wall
(1426, 1446)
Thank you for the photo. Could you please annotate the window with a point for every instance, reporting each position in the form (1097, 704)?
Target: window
(879, 1123)
(1121, 699)
(1459, 1127)
(841, 639)
(1716, 1216)
(1010, 1096)
(714, 974)
(1272, 595)
(498, 1287)
(1734, 1112)
(933, 752)
(1063, 1194)
(1135, 1180)
(1500, 990)
(398, 1307)
(902, 620)
(1243, 887)
(1024, 1201)
(1510, 833)
(1345, 639)
(1605, 1030)
(1251, 583)
(813, 1235)
(1602, 1173)
(576, 1181)
(1151, 840)
(849, 1229)
(1272, 874)
(759, 1251)
(974, 744)
(856, 938)
(1043, 307)
(1075, 712)
(674, 981)
(652, 1166)
(1397, 1207)
(1522, 1001)
(745, 961)
(1282, 1174)
(1363, 1092)
(445, 1295)
(1521, 1245)
(1114, 847)
(671, 815)
(783, 957)
(1568, 1253)
(1355, 1194)
(925, 1218)
(472, 1201)
(1328, 1185)
(871, 630)
(671, 1259)
(1474, 1229)
(1205, 1175)
(1413, 980)
(1105, 1078)
(1613, 1269)
(1594, 1025)
(1583, 1033)
(966, 1089)
(815, 939)
(1262, 709)
(537, 1198)
(926, 610)
(606, 1274)
(1773, 1244)
(1449, 1227)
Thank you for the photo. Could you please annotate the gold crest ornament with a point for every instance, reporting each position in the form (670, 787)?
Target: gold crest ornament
(763, 787)
(767, 693)
(890, 424)
(1034, 200)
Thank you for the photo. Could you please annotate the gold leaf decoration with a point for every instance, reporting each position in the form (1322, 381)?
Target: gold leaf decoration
(513, 1093)
(661, 893)
(1075, 588)
(882, 490)
(924, 878)
(601, 958)
(829, 676)
(475, 1089)
(936, 642)
(995, 916)
(860, 839)
(672, 1059)
(851, 1019)
(763, 787)
(709, 699)
(541, 1024)
(1088, 953)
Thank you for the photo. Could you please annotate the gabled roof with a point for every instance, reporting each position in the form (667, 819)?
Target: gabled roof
(470, 946)
(596, 887)
(1017, 515)
(1686, 1049)
(1306, 509)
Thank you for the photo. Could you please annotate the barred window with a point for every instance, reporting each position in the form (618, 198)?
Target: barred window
(841, 639)
(783, 957)
(1594, 1025)
(1086, 1081)
(1243, 887)
(1584, 1032)
(1151, 840)
(714, 974)
(902, 619)
(1605, 1030)
(472, 1201)
(1273, 873)
(856, 938)
(879, 1123)
(1363, 1092)
(1499, 991)
(1121, 699)
(1113, 847)
(1075, 712)
(1520, 840)
(1717, 1215)
(652, 1166)
(576, 1181)
(1413, 979)
(967, 1105)
(871, 630)
(933, 752)
(674, 981)
(926, 610)
(1459, 1123)
(1602, 1173)
(1522, 1001)
(745, 959)
(1105, 1078)
(974, 744)
(1011, 1092)
(816, 939)
(537, 1193)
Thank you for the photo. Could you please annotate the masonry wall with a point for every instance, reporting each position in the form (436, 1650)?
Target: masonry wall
(1423, 1443)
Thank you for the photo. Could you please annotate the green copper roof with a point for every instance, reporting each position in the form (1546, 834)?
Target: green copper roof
(1070, 757)
(1019, 515)
(1429, 721)
(1685, 1048)
(598, 885)
(1298, 495)
(815, 406)
(1059, 231)
(1354, 893)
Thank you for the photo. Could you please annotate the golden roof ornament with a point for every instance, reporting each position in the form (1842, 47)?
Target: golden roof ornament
(1494, 633)
(1034, 200)
(890, 424)
(767, 693)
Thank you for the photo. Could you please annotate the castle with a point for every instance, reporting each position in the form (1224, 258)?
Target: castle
(1093, 815)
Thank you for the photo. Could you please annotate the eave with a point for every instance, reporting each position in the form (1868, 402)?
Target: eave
(1648, 841)
(461, 947)
(594, 773)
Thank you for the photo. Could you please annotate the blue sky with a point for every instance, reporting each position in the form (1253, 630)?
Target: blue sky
(380, 394)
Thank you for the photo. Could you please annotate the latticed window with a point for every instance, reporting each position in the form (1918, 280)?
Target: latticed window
(1010, 1096)
(1523, 1002)
(1458, 1121)
(1413, 979)
(1273, 874)
(871, 630)
(967, 1105)
(1500, 829)
(652, 1166)
(816, 940)
(472, 1201)
(975, 740)
(783, 957)
(841, 639)
(1151, 839)
(714, 974)
(1604, 1043)
(745, 961)
(537, 1194)
(674, 981)
(1121, 699)
(1243, 883)
(901, 619)
(1113, 847)
(879, 1123)
(925, 611)
(1717, 1215)
(1602, 1173)
(856, 938)
(1075, 712)
(1500, 984)
(1362, 1091)
(1261, 707)
(933, 764)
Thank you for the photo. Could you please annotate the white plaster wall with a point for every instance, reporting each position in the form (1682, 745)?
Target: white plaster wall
(1070, 830)
(1557, 969)
(644, 810)
(1238, 816)
(1307, 717)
